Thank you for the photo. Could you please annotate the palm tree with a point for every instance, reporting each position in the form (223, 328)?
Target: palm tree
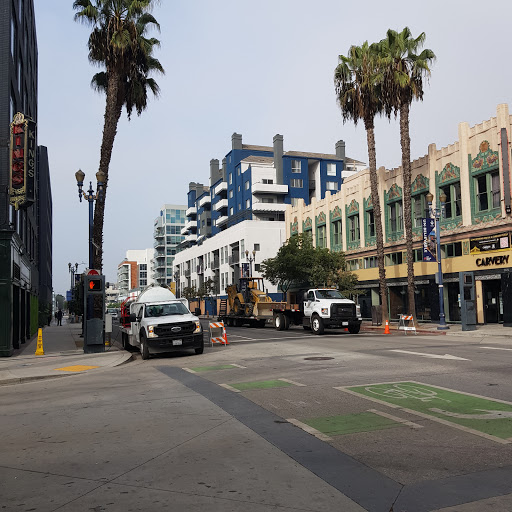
(403, 71)
(118, 43)
(358, 85)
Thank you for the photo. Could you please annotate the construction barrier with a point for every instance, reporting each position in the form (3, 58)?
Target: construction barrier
(218, 333)
(406, 323)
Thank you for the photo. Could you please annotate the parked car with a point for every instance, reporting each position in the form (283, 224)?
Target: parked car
(113, 313)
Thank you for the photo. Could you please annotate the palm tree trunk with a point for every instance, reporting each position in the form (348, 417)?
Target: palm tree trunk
(113, 109)
(370, 136)
(405, 142)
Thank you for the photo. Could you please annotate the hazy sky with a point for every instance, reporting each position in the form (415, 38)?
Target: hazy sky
(257, 68)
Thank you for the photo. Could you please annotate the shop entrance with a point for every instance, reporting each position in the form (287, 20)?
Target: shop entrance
(493, 301)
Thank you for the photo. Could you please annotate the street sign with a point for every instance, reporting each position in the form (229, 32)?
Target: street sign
(92, 272)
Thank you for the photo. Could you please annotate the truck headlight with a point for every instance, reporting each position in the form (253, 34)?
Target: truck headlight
(198, 327)
(358, 310)
(325, 311)
(151, 332)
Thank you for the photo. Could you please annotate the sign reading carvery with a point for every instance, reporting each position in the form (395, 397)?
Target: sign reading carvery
(22, 161)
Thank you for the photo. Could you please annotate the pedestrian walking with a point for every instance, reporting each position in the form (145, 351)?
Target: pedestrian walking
(59, 317)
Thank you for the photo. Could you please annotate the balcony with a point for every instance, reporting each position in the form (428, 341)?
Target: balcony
(184, 230)
(269, 207)
(160, 255)
(187, 273)
(191, 211)
(159, 233)
(234, 259)
(215, 264)
(200, 269)
(191, 238)
(221, 187)
(159, 243)
(223, 203)
(205, 200)
(221, 220)
(269, 188)
(160, 265)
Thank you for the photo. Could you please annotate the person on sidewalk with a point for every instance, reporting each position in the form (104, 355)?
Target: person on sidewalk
(59, 317)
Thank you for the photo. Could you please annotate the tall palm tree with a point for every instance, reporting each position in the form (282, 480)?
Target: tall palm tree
(358, 85)
(118, 43)
(403, 70)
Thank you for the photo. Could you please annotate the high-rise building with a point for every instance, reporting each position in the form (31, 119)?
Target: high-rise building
(25, 193)
(168, 235)
(134, 272)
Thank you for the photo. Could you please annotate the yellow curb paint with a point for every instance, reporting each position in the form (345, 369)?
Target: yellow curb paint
(39, 349)
(76, 368)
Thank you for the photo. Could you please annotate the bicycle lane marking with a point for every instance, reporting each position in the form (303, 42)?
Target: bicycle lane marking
(475, 414)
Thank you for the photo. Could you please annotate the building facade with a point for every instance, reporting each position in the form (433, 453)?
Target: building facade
(475, 229)
(243, 208)
(168, 227)
(134, 272)
(25, 260)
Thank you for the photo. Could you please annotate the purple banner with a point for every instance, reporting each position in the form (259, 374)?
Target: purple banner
(429, 239)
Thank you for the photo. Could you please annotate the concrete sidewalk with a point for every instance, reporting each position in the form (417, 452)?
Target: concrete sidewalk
(63, 356)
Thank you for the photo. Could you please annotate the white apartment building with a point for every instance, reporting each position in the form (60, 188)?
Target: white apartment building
(134, 272)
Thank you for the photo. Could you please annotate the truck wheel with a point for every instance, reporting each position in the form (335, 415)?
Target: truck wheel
(199, 350)
(354, 328)
(126, 345)
(287, 322)
(144, 349)
(280, 322)
(317, 325)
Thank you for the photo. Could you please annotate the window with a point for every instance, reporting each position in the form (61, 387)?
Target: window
(239, 206)
(256, 247)
(238, 171)
(451, 250)
(256, 267)
(396, 217)
(321, 239)
(331, 169)
(419, 205)
(231, 194)
(395, 258)
(336, 232)
(268, 200)
(294, 201)
(13, 39)
(267, 181)
(353, 264)
(247, 185)
(247, 203)
(453, 206)
(296, 166)
(488, 191)
(296, 183)
(231, 211)
(332, 185)
(371, 223)
(354, 228)
(230, 178)
(370, 262)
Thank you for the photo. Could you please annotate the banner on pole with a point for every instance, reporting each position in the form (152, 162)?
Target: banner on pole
(429, 239)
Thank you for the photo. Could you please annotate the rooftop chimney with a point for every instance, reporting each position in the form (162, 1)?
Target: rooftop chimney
(236, 141)
(278, 158)
(340, 149)
(214, 171)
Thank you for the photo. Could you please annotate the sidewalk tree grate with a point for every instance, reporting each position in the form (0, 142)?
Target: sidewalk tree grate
(317, 358)
(351, 423)
(262, 384)
(213, 368)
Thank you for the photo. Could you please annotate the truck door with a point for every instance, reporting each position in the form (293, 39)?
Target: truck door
(309, 303)
(138, 311)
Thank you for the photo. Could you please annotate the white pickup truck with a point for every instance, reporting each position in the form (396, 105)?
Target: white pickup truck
(159, 322)
(321, 308)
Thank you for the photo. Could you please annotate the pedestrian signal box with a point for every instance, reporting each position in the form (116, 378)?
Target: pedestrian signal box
(94, 313)
(96, 284)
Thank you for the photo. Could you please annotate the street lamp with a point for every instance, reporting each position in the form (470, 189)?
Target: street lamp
(91, 197)
(437, 214)
(250, 259)
(176, 280)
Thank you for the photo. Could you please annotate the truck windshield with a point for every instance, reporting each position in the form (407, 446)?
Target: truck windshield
(329, 294)
(175, 308)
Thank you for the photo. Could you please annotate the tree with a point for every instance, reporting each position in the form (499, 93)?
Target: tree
(292, 264)
(189, 292)
(358, 84)
(326, 267)
(118, 42)
(347, 284)
(59, 300)
(206, 289)
(403, 71)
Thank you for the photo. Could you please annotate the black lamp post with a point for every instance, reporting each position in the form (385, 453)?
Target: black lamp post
(176, 280)
(437, 214)
(91, 197)
(250, 259)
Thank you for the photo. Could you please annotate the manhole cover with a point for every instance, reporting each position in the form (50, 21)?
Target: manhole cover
(317, 358)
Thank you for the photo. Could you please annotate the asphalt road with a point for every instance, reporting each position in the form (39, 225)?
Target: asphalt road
(410, 422)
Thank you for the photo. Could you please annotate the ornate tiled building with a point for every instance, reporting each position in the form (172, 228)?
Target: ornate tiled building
(474, 174)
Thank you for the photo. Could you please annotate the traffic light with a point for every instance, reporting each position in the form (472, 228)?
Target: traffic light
(96, 285)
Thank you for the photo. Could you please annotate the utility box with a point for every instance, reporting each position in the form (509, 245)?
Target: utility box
(94, 312)
(467, 301)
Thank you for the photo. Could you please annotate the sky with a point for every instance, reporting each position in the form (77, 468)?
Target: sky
(255, 68)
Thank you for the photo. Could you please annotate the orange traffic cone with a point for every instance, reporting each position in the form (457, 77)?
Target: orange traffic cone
(386, 330)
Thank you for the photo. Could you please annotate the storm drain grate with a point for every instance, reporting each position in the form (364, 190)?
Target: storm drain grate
(317, 358)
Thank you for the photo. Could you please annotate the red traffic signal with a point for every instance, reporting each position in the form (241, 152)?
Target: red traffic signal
(95, 285)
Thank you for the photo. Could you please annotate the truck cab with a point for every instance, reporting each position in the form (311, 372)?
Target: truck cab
(328, 308)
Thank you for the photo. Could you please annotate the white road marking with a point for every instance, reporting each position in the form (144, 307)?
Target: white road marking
(433, 356)
(497, 348)
(189, 370)
(292, 382)
(490, 415)
(237, 365)
(395, 418)
(227, 386)
(309, 430)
